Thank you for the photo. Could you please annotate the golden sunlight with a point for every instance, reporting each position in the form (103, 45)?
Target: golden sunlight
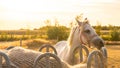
(34, 12)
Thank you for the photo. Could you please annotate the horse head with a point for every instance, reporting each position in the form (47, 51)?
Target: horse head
(87, 34)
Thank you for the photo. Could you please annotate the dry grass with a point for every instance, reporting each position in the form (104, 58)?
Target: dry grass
(113, 50)
(31, 44)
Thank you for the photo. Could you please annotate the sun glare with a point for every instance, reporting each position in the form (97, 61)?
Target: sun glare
(39, 10)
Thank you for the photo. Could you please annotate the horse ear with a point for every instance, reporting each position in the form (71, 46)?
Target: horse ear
(79, 22)
(86, 21)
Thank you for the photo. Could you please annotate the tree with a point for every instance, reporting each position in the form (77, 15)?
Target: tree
(47, 22)
(56, 23)
(110, 27)
(98, 28)
(115, 34)
(58, 33)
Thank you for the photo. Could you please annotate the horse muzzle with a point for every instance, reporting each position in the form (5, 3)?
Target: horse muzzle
(97, 42)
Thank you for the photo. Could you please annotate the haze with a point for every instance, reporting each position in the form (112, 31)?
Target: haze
(16, 14)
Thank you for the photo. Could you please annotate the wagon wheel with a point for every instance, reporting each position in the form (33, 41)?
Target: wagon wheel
(10, 47)
(104, 52)
(82, 49)
(47, 60)
(105, 55)
(95, 60)
(3, 57)
(48, 47)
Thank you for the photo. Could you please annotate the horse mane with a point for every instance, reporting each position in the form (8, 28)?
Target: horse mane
(70, 38)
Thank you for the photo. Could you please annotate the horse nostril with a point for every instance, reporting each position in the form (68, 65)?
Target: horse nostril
(101, 43)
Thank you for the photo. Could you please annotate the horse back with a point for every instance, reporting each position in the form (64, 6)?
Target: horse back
(62, 49)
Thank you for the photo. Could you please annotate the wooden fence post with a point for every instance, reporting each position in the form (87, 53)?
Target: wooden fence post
(20, 42)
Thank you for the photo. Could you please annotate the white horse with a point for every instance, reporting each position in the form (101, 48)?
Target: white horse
(83, 34)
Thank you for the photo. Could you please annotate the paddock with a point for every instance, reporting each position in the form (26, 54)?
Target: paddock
(113, 56)
(113, 51)
(18, 57)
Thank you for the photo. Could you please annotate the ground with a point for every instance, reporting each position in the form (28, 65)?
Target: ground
(113, 50)
(113, 56)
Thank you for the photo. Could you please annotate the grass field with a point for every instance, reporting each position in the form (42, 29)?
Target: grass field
(113, 50)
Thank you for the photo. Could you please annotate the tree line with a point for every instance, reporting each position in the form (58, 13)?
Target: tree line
(58, 32)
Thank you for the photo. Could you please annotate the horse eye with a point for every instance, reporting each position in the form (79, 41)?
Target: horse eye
(87, 31)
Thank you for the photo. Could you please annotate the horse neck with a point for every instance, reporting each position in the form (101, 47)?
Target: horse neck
(75, 43)
(73, 46)
(70, 53)
(74, 38)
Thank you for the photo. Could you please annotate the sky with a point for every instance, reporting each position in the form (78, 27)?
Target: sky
(17, 14)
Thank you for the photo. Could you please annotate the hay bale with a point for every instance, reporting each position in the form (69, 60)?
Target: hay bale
(24, 58)
(21, 57)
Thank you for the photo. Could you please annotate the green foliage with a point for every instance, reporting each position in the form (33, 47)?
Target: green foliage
(98, 29)
(59, 33)
(24, 37)
(6, 37)
(3, 37)
(11, 37)
(106, 37)
(115, 35)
